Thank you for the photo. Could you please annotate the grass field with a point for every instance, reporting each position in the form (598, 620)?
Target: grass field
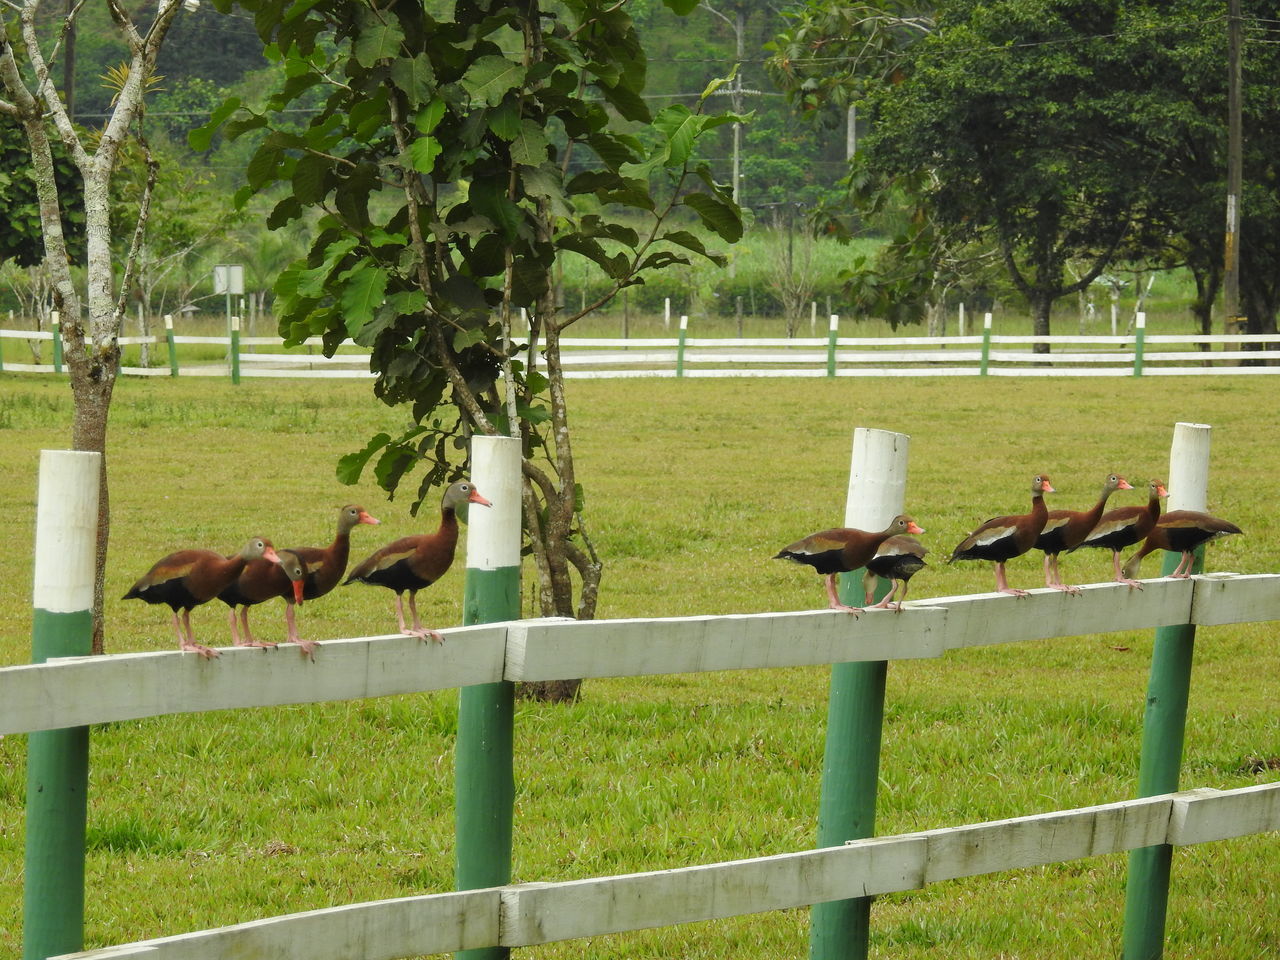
(209, 819)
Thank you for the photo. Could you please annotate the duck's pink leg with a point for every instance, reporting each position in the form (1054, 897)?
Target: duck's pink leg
(1056, 583)
(435, 636)
(188, 643)
(290, 619)
(1002, 585)
(1183, 570)
(247, 639)
(887, 603)
(1119, 574)
(835, 599)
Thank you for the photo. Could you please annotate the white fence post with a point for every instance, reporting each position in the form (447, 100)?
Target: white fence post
(855, 713)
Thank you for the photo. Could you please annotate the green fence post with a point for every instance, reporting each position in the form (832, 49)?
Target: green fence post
(235, 349)
(986, 344)
(855, 713)
(484, 769)
(58, 760)
(1139, 344)
(55, 326)
(168, 337)
(684, 328)
(832, 335)
(1164, 723)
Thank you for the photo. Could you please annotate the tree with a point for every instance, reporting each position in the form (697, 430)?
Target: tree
(91, 349)
(1010, 117)
(439, 162)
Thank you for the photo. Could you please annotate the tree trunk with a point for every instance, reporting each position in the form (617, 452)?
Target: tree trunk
(1040, 308)
(549, 517)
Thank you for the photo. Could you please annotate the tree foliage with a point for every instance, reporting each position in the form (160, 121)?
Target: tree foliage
(440, 161)
(21, 241)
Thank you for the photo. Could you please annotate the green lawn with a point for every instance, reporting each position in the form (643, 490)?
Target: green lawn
(208, 819)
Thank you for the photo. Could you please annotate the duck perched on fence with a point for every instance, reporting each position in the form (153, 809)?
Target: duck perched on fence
(842, 549)
(411, 563)
(186, 579)
(1000, 539)
(1181, 531)
(1124, 527)
(898, 560)
(1067, 529)
(321, 570)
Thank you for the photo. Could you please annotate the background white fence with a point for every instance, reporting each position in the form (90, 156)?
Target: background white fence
(86, 690)
(700, 357)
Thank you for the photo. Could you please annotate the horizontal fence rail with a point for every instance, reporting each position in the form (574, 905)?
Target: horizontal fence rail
(77, 691)
(521, 915)
(996, 355)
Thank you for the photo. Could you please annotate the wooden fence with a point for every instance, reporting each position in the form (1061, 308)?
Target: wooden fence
(702, 357)
(88, 690)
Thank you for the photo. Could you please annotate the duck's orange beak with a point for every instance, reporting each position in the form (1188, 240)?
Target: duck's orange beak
(913, 527)
(476, 498)
(298, 587)
(366, 518)
(270, 554)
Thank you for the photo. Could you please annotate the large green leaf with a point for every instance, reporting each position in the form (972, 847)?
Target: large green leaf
(415, 77)
(364, 291)
(309, 182)
(351, 465)
(422, 154)
(504, 119)
(529, 148)
(378, 41)
(429, 116)
(489, 199)
(490, 77)
(681, 127)
(201, 137)
(545, 180)
(721, 217)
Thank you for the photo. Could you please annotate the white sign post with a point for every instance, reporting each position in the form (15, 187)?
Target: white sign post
(228, 279)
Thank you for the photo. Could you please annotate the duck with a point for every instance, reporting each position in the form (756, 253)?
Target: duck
(186, 579)
(1067, 528)
(841, 550)
(1182, 531)
(1124, 527)
(1000, 539)
(322, 569)
(898, 560)
(412, 563)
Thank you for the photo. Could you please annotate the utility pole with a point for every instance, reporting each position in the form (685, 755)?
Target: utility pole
(1235, 150)
(69, 63)
(740, 30)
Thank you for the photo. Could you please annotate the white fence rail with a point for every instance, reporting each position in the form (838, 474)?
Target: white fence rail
(77, 691)
(522, 915)
(705, 357)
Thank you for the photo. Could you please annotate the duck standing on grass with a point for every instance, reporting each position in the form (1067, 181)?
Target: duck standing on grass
(841, 550)
(1001, 539)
